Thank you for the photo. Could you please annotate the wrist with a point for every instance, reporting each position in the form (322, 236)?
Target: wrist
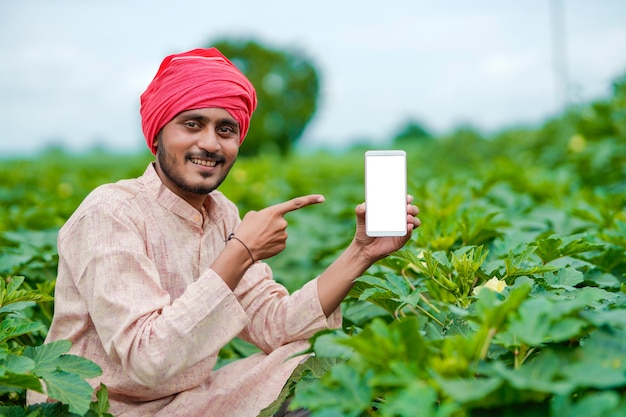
(356, 256)
(233, 262)
(232, 236)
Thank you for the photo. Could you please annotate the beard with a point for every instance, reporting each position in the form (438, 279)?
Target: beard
(168, 164)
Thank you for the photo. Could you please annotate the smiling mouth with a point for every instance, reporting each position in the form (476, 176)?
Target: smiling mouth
(203, 162)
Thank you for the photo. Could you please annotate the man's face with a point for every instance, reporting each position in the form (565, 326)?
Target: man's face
(196, 150)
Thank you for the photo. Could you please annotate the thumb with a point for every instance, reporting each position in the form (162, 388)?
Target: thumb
(360, 213)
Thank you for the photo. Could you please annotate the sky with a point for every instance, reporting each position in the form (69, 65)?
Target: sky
(72, 71)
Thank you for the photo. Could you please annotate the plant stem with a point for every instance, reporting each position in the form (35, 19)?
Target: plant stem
(407, 280)
(487, 342)
(429, 304)
(426, 312)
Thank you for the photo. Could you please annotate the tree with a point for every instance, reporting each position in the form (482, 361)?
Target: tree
(411, 132)
(287, 87)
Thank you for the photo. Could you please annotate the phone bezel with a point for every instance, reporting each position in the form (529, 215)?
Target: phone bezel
(384, 233)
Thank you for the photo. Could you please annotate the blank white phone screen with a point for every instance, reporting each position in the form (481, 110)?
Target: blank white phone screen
(385, 193)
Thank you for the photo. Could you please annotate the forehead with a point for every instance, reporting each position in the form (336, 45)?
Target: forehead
(208, 113)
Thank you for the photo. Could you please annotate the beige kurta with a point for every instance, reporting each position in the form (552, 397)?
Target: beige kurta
(135, 294)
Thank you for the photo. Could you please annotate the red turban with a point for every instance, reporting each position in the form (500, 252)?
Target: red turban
(196, 79)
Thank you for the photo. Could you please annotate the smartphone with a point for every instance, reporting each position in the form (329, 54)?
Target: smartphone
(385, 193)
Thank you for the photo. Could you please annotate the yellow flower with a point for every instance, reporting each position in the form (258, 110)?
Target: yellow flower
(577, 143)
(494, 284)
(65, 190)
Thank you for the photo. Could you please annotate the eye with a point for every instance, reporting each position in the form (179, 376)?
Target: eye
(192, 124)
(226, 131)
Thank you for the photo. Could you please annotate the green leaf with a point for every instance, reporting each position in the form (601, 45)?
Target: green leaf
(611, 318)
(578, 246)
(416, 399)
(441, 257)
(379, 344)
(393, 284)
(598, 404)
(11, 294)
(100, 407)
(329, 346)
(14, 411)
(477, 228)
(548, 249)
(566, 278)
(14, 327)
(16, 307)
(589, 297)
(391, 293)
(523, 264)
(415, 347)
(15, 382)
(434, 261)
(410, 257)
(601, 374)
(344, 392)
(566, 329)
(541, 374)
(552, 247)
(46, 356)
(600, 362)
(64, 374)
(602, 280)
(55, 409)
(307, 372)
(16, 374)
(492, 310)
(610, 258)
(70, 389)
(18, 364)
(469, 390)
(358, 313)
(533, 322)
(79, 366)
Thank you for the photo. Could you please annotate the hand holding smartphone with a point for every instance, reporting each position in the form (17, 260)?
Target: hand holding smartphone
(385, 193)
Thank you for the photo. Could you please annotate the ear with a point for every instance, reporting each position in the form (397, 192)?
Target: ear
(155, 143)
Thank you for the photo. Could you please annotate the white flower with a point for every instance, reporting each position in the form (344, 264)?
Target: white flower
(494, 284)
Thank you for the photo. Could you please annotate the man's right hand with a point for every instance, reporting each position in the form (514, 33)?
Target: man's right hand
(265, 231)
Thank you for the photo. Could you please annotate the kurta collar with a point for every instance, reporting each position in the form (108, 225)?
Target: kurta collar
(174, 203)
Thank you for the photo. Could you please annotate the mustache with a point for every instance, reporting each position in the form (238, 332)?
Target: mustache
(206, 155)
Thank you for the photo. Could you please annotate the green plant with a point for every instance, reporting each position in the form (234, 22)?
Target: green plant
(25, 367)
(549, 343)
(509, 299)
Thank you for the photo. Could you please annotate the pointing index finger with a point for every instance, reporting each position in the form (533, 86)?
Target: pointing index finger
(298, 203)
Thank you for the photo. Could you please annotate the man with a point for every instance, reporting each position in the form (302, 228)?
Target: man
(158, 273)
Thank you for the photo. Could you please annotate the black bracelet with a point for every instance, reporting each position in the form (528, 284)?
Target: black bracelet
(232, 236)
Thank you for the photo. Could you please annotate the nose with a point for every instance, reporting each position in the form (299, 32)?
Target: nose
(209, 141)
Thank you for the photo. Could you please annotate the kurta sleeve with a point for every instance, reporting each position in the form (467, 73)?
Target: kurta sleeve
(152, 336)
(277, 318)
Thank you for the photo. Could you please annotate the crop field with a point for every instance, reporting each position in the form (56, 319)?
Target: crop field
(509, 299)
